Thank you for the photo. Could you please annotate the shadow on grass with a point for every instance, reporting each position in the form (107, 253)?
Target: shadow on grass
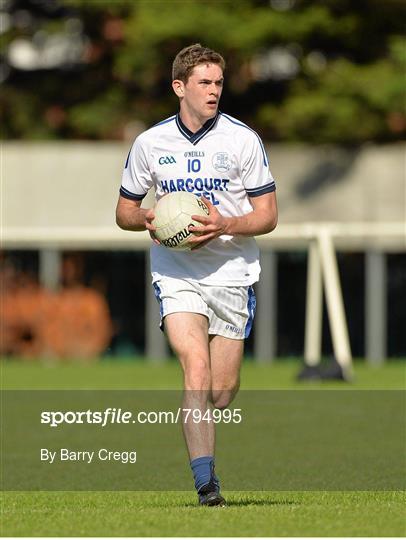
(250, 501)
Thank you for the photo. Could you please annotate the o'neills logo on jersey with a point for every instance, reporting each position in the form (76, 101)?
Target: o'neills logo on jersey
(194, 153)
(177, 238)
(221, 162)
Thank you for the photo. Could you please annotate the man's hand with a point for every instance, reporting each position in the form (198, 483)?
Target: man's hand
(213, 226)
(261, 220)
(131, 217)
(149, 217)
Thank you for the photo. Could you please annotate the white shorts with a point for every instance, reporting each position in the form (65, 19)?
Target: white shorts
(229, 310)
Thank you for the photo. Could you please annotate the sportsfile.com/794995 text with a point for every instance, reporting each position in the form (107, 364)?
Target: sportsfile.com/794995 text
(113, 415)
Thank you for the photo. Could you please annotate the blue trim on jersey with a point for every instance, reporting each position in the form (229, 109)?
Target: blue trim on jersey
(183, 129)
(251, 306)
(165, 121)
(159, 124)
(256, 192)
(237, 123)
(132, 196)
(157, 291)
(128, 159)
(194, 138)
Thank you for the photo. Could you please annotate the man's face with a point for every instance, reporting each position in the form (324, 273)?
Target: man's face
(202, 92)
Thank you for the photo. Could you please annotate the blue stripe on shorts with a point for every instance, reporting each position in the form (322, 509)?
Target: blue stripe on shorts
(157, 291)
(251, 306)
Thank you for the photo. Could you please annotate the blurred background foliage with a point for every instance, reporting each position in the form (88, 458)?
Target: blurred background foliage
(315, 71)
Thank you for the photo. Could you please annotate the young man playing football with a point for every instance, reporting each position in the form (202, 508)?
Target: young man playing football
(206, 295)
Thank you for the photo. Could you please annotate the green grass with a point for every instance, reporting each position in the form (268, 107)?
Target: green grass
(116, 374)
(358, 513)
(176, 514)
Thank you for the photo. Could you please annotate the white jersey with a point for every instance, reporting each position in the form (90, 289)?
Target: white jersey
(224, 161)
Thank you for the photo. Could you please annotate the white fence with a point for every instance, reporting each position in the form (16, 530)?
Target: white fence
(320, 239)
(62, 196)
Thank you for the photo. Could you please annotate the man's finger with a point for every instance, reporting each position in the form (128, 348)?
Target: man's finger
(207, 202)
(202, 219)
(154, 238)
(197, 239)
(197, 230)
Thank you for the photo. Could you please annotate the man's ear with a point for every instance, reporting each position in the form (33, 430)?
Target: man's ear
(178, 87)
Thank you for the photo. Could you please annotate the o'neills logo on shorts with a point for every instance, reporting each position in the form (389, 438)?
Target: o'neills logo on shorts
(177, 238)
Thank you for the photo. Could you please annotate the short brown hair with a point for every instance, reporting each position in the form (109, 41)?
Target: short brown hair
(192, 56)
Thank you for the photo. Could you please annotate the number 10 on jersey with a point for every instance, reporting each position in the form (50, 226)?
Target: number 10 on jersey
(193, 165)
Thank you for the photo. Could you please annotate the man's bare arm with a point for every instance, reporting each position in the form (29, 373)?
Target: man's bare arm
(261, 220)
(130, 216)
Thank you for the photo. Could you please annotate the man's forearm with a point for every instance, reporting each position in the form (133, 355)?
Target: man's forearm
(133, 220)
(252, 224)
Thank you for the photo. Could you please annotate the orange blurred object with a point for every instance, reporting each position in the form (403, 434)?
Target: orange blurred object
(72, 323)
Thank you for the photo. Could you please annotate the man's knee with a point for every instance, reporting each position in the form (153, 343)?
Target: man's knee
(222, 398)
(197, 375)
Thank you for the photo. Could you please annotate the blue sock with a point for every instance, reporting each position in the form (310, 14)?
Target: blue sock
(203, 472)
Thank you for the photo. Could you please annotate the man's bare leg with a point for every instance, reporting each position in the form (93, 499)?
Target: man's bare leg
(188, 337)
(225, 364)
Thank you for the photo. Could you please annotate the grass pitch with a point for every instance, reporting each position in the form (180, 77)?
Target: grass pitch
(176, 514)
(357, 513)
(138, 374)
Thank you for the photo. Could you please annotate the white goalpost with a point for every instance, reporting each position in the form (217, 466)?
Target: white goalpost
(323, 272)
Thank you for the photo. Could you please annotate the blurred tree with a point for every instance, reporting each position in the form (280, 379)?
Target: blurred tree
(298, 70)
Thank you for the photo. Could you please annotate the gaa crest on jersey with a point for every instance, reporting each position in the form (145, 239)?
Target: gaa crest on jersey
(221, 162)
(166, 160)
